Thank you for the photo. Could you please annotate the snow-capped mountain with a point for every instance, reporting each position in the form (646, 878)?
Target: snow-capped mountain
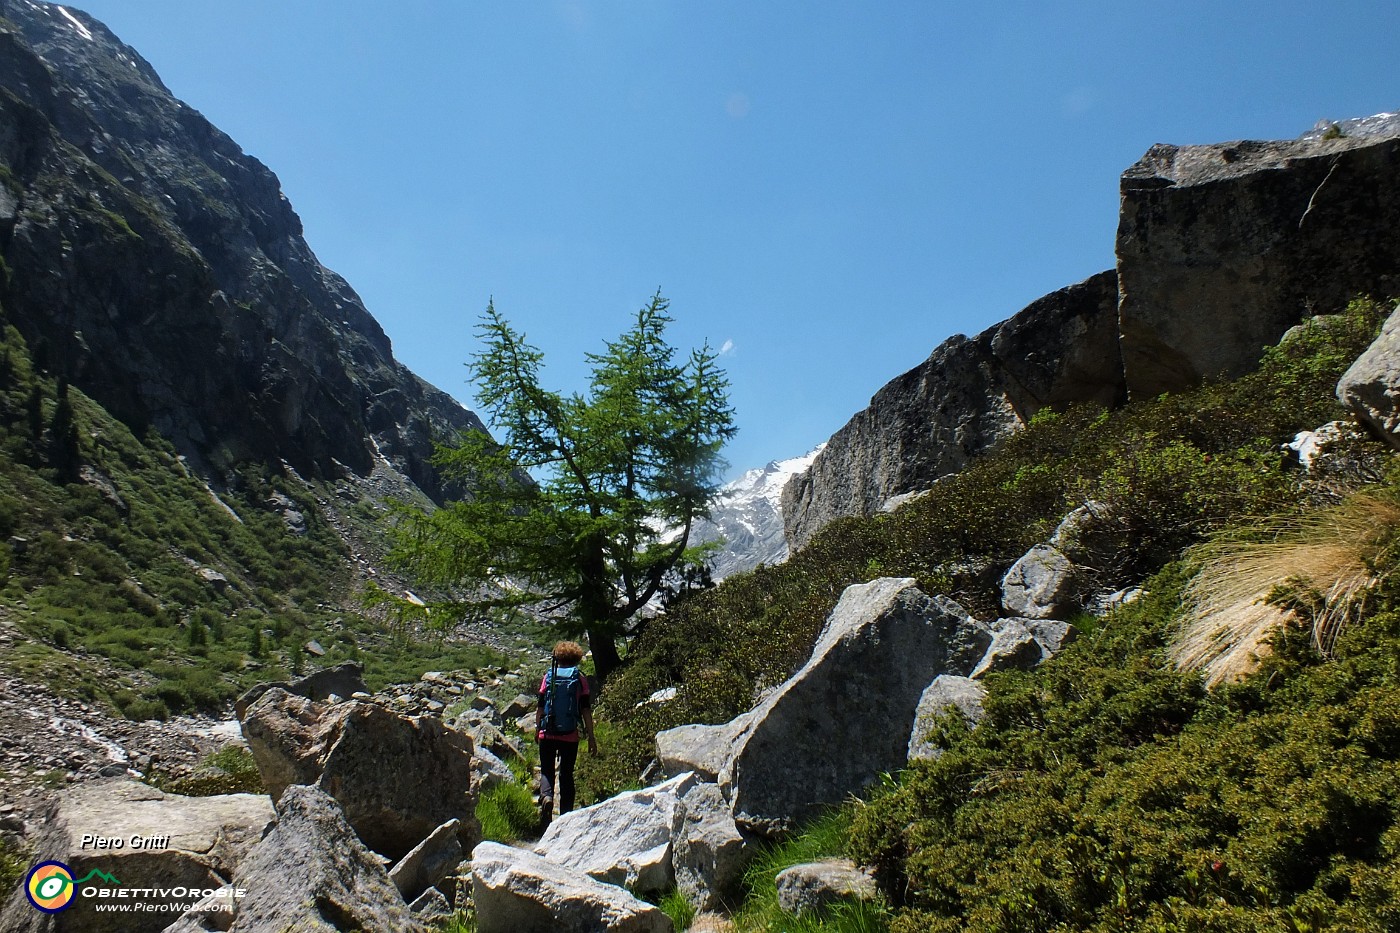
(748, 517)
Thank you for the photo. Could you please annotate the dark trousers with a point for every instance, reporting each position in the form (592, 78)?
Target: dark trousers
(567, 754)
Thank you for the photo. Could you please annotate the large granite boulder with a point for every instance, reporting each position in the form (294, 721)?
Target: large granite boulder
(1043, 584)
(517, 891)
(167, 842)
(623, 840)
(313, 875)
(1222, 248)
(397, 777)
(845, 717)
(1021, 644)
(710, 853)
(1371, 387)
(968, 395)
(431, 861)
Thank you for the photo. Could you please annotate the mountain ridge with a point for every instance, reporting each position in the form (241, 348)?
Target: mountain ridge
(161, 269)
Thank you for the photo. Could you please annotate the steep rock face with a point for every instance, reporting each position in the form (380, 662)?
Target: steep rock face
(161, 270)
(969, 394)
(1222, 248)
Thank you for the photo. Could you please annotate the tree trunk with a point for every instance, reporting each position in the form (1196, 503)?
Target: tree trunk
(605, 656)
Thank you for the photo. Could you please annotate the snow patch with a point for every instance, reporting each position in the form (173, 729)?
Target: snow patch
(82, 30)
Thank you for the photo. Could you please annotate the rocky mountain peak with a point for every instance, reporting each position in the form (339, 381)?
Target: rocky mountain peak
(161, 269)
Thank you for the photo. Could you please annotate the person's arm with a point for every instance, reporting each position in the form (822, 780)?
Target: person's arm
(588, 724)
(539, 710)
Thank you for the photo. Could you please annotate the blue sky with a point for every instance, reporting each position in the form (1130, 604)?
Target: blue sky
(826, 191)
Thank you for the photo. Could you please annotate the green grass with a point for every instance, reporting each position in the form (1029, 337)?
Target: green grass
(507, 813)
(826, 837)
(14, 862)
(674, 905)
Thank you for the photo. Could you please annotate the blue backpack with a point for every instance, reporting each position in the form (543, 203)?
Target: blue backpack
(561, 700)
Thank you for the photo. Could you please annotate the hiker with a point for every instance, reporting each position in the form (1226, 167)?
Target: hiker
(564, 702)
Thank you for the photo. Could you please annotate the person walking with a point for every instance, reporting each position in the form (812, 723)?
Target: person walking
(564, 705)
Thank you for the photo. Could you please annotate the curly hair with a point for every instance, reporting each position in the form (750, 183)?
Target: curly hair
(568, 653)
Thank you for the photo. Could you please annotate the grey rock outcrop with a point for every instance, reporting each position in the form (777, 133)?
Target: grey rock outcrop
(165, 274)
(815, 886)
(397, 777)
(313, 874)
(342, 680)
(517, 891)
(1222, 248)
(624, 840)
(1371, 386)
(880, 648)
(209, 837)
(968, 395)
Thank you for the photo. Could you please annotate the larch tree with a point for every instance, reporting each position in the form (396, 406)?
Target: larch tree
(583, 505)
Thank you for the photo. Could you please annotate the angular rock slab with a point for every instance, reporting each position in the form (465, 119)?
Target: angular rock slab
(517, 891)
(709, 854)
(844, 719)
(817, 885)
(1021, 644)
(208, 838)
(947, 691)
(343, 680)
(397, 777)
(490, 770)
(702, 749)
(1222, 247)
(1371, 387)
(625, 840)
(313, 875)
(431, 860)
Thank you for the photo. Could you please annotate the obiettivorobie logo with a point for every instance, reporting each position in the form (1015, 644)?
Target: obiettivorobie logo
(50, 886)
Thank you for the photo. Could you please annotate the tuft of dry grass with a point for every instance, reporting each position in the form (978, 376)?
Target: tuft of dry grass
(1325, 563)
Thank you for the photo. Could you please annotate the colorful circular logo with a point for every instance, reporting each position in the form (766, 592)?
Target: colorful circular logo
(49, 887)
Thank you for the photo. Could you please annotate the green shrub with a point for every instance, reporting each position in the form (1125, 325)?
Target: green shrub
(142, 710)
(231, 770)
(1104, 791)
